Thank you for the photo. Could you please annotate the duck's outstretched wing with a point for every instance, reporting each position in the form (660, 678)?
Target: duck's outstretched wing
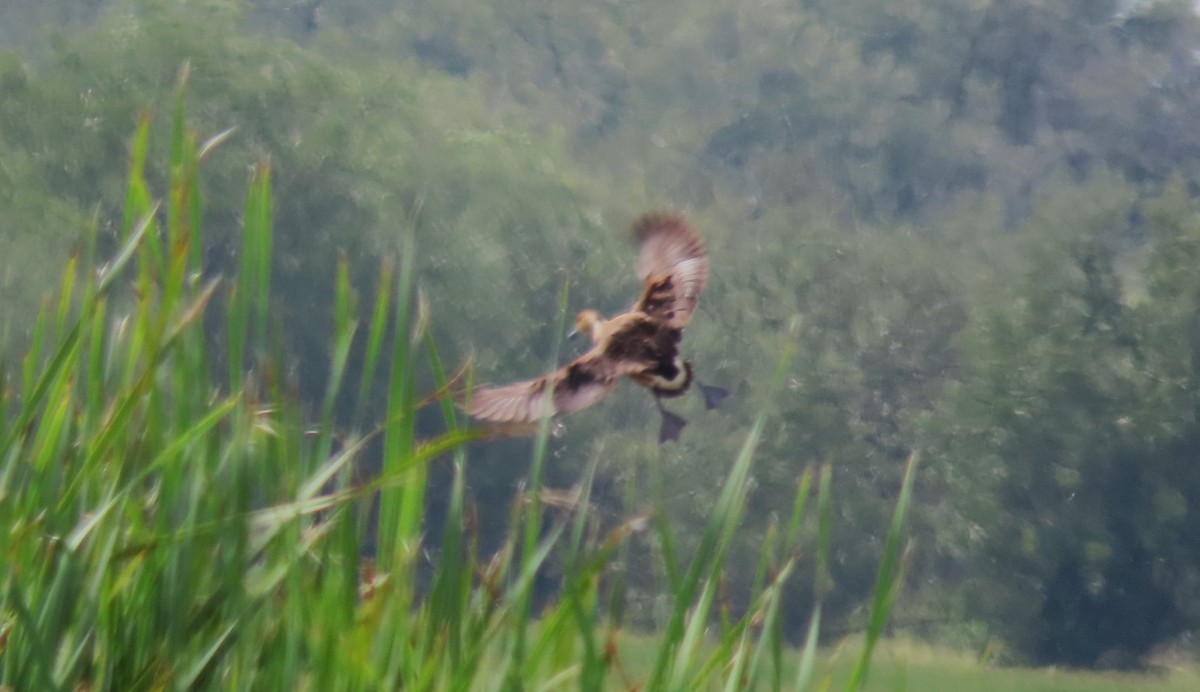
(575, 386)
(672, 266)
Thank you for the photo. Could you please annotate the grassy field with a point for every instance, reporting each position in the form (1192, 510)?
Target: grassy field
(904, 664)
(896, 674)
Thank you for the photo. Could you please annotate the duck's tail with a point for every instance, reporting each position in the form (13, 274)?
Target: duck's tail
(674, 382)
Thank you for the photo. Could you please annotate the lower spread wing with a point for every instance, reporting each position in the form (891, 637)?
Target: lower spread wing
(575, 386)
(672, 266)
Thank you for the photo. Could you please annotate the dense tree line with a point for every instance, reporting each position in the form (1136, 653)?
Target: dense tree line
(975, 222)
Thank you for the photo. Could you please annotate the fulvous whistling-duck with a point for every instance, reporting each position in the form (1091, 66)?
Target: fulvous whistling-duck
(642, 343)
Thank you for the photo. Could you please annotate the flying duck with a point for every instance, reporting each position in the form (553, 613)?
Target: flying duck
(641, 343)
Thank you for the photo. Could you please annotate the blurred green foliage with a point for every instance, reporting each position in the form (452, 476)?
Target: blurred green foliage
(973, 221)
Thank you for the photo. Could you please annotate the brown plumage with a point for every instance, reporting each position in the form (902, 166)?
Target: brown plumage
(641, 343)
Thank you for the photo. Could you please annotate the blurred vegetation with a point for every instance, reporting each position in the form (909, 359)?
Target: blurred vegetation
(975, 223)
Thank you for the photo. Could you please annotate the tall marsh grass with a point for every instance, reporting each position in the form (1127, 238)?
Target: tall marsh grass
(170, 517)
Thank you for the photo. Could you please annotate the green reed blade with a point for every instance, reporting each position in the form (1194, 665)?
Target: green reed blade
(889, 579)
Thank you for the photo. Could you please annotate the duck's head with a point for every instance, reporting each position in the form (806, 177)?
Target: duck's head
(588, 322)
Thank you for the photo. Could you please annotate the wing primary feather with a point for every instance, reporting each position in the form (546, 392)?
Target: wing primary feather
(672, 265)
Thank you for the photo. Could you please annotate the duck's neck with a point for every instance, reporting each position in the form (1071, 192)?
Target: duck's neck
(596, 328)
(591, 323)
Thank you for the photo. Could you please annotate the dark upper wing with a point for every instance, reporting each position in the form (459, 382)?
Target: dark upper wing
(672, 266)
(577, 385)
(639, 342)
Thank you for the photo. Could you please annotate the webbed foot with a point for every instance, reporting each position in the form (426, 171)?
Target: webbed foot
(672, 426)
(713, 396)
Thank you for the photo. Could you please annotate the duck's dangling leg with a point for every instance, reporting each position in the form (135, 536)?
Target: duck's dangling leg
(672, 425)
(713, 396)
